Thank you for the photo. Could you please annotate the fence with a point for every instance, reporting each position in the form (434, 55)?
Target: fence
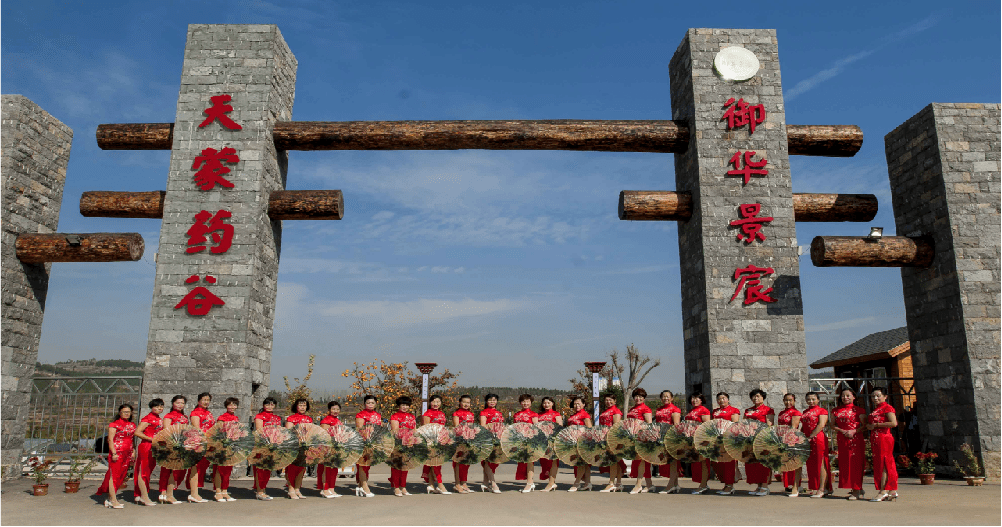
(900, 394)
(68, 414)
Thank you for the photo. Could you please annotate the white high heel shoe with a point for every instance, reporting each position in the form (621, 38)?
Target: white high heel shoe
(110, 506)
(531, 488)
(362, 494)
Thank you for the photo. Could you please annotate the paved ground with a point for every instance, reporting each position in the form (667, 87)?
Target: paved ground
(945, 503)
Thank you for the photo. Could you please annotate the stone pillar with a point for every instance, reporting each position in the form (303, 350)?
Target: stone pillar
(36, 150)
(730, 346)
(226, 352)
(944, 171)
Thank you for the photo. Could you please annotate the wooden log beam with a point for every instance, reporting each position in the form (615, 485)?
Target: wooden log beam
(82, 247)
(608, 136)
(860, 251)
(123, 204)
(654, 205)
(306, 205)
(282, 204)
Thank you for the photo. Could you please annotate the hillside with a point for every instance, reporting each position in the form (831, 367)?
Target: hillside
(89, 367)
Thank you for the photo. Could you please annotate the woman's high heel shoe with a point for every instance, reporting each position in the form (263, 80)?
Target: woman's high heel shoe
(549, 488)
(531, 488)
(194, 499)
(483, 488)
(883, 496)
(441, 490)
(672, 490)
(362, 494)
(110, 506)
(612, 488)
(495, 489)
(701, 490)
(639, 490)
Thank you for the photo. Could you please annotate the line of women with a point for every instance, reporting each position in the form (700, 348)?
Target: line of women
(849, 421)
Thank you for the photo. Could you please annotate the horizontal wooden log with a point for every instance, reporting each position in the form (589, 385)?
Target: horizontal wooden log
(860, 251)
(282, 204)
(306, 205)
(607, 136)
(108, 204)
(666, 205)
(81, 247)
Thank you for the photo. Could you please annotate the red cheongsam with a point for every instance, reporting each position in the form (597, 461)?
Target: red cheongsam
(205, 422)
(262, 476)
(398, 478)
(523, 416)
(124, 432)
(882, 446)
(606, 418)
(637, 412)
(851, 450)
(818, 460)
(726, 472)
(547, 465)
(696, 415)
(176, 418)
(493, 416)
(786, 418)
(664, 415)
(465, 416)
(436, 417)
(756, 472)
(579, 418)
(224, 472)
(292, 472)
(327, 476)
(367, 417)
(144, 459)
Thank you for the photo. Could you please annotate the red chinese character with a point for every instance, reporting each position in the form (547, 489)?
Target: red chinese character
(199, 306)
(743, 113)
(199, 229)
(218, 110)
(750, 167)
(212, 171)
(751, 225)
(754, 292)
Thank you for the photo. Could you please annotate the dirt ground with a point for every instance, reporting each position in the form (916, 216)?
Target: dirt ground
(947, 502)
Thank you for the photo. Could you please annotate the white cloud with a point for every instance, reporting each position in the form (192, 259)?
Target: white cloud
(851, 323)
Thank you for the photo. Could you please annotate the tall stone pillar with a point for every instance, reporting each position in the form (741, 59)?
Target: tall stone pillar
(226, 352)
(944, 171)
(36, 150)
(731, 346)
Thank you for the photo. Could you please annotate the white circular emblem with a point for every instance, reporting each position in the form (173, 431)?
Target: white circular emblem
(735, 63)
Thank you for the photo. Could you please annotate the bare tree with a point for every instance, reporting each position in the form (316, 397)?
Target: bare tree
(635, 369)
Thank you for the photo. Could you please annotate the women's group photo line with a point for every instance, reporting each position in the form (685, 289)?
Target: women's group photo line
(769, 444)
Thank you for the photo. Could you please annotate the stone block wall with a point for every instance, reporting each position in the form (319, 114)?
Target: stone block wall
(35, 152)
(944, 170)
(228, 351)
(730, 346)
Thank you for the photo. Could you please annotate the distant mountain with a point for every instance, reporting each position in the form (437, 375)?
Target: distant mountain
(90, 367)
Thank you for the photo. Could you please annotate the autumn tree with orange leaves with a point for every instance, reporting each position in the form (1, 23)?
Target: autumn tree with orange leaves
(387, 381)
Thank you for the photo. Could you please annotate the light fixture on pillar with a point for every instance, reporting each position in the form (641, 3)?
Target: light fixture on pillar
(425, 368)
(875, 234)
(594, 368)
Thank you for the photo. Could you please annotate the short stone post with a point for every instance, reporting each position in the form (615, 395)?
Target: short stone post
(425, 368)
(595, 368)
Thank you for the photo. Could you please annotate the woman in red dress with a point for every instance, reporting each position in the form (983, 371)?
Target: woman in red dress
(581, 417)
(461, 415)
(524, 471)
(202, 418)
(726, 471)
(220, 474)
(610, 416)
(699, 414)
(490, 414)
(819, 469)
(880, 422)
(294, 473)
(850, 422)
(548, 467)
(758, 474)
(670, 414)
(172, 478)
(120, 433)
(265, 418)
(148, 427)
(327, 476)
(401, 419)
(644, 413)
(434, 414)
(790, 416)
(368, 415)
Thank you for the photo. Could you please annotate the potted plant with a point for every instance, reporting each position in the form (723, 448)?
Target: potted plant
(78, 471)
(40, 471)
(903, 462)
(970, 468)
(925, 467)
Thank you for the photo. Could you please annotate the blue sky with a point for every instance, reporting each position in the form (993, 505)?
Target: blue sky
(509, 266)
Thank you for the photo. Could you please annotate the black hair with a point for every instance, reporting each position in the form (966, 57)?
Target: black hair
(156, 402)
(296, 404)
(231, 400)
(816, 394)
(547, 398)
(490, 396)
(670, 394)
(433, 397)
(725, 394)
(268, 400)
(756, 391)
(791, 395)
(576, 398)
(879, 389)
(176, 397)
(332, 404)
(702, 400)
(524, 397)
(368, 398)
(844, 388)
(403, 399)
(129, 406)
(204, 394)
(639, 392)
